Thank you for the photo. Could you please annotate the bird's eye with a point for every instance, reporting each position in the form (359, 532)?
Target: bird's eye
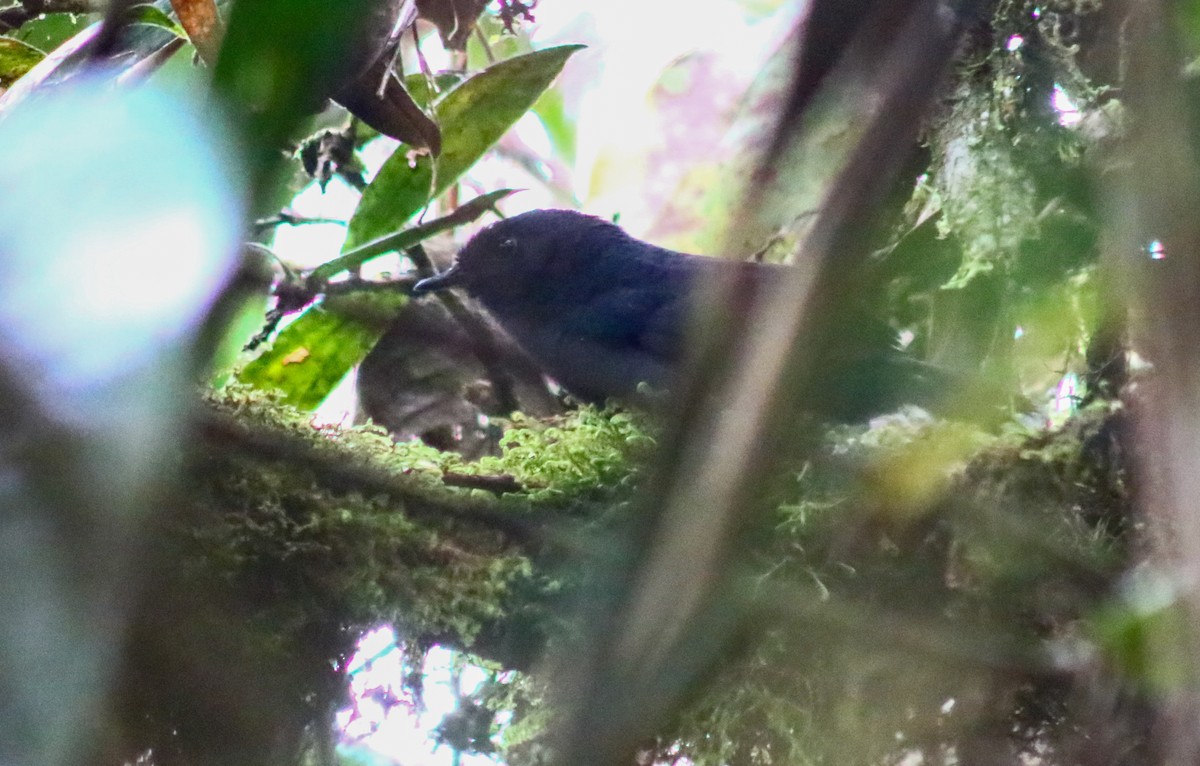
(509, 244)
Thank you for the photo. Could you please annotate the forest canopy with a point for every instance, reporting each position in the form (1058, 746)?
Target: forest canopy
(922, 495)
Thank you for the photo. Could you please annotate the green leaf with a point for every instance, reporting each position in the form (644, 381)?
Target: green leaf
(16, 58)
(279, 61)
(473, 117)
(395, 195)
(311, 356)
(406, 238)
(154, 17)
(551, 110)
(477, 113)
(245, 321)
(51, 30)
(417, 86)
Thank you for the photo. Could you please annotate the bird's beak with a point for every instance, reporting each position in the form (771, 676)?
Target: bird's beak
(451, 277)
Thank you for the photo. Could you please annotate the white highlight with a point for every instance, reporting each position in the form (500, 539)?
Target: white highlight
(1068, 113)
(1066, 396)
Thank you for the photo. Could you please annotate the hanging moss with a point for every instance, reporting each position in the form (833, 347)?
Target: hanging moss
(1004, 149)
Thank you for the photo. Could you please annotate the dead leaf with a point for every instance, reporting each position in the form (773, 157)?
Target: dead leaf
(296, 357)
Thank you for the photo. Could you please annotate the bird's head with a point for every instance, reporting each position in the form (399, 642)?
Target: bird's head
(516, 259)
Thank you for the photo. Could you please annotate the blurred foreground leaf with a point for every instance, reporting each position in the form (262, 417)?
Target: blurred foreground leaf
(279, 61)
(51, 30)
(1143, 635)
(110, 186)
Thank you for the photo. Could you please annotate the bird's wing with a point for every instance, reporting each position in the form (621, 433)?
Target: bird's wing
(644, 318)
(664, 333)
(650, 308)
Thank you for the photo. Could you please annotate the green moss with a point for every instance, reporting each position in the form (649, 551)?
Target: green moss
(579, 453)
(869, 617)
(298, 537)
(342, 524)
(948, 564)
(1006, 172)
(309, 552)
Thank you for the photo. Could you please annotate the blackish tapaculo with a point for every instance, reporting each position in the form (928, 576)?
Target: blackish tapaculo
(602, 311)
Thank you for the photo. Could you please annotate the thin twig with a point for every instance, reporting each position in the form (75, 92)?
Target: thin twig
(498, 484)
(289, 218)
(421, 62)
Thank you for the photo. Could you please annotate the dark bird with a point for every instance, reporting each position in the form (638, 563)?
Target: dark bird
(602, 311)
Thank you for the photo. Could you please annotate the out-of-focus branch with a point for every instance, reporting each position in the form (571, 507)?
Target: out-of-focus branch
(672, 624)
(1154, 199)
(116, 18)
